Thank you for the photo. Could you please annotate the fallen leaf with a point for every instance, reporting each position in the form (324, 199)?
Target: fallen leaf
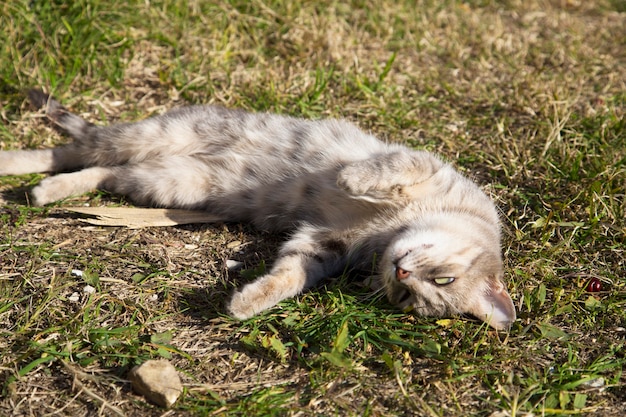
(136, 217)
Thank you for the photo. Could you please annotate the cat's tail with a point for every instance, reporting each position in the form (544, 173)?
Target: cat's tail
(60, 117)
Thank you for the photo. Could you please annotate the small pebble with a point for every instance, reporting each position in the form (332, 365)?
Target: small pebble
(89, 289)
(77, 272)
(75, 297)
(233, 265)
(158, 381)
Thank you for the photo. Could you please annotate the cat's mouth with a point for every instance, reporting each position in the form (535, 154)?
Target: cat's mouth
(404, 299)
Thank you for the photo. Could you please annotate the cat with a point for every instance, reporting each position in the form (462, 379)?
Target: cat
(349, 200)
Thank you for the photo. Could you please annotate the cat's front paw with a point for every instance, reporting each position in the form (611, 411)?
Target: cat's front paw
(257, 296)
(241, 306)
(356, 179)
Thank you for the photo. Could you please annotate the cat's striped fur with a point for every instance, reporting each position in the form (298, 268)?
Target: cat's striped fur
(347, 197)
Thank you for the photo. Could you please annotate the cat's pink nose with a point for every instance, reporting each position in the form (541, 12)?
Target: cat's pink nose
(402, 274)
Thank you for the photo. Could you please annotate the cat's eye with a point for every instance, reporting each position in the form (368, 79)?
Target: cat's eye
(444, 280)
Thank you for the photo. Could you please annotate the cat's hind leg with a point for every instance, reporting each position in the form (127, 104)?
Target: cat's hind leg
(62, 186)
(20, 162)
(172, 182)
(177, 182)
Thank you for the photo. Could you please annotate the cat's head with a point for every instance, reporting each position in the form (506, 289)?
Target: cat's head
(448, 267)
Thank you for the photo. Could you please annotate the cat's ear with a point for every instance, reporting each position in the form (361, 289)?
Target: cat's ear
(494, 306)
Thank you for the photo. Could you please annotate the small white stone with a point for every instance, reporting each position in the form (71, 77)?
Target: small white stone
(52, 336)
(77, 272)
(89, 289)
(191, 247)
(233, 265)
(75, 297)
(594, 383)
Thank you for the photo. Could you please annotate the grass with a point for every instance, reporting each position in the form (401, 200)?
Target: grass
(525, 97)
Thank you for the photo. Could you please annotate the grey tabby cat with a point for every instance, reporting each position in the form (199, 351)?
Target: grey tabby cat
(349, 199)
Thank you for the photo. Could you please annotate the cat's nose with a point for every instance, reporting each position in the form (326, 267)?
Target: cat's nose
(402, 274)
